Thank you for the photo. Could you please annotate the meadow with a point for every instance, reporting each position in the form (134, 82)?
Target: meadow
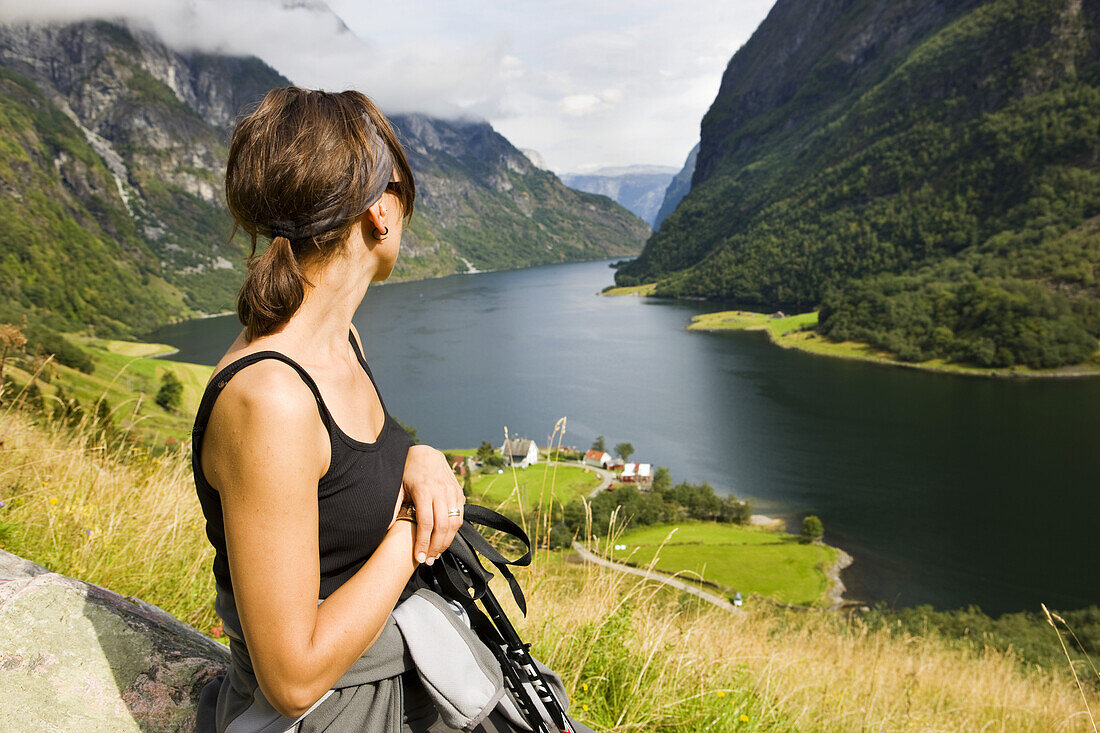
(754, 561)
(542, 484)
(634, 655)
(127, 377)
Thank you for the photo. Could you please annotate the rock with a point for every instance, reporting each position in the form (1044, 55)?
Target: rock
(77, 657)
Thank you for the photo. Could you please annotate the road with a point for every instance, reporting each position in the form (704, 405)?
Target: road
(711, 598)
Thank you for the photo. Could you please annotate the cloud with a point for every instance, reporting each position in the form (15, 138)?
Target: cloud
(586, 84)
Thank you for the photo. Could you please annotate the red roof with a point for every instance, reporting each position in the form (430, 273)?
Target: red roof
(595, 455)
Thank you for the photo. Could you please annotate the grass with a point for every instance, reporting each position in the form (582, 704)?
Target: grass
(634, 656)
(753, 561)
(126, 376)
(538, 484)
(798, 332)
(647, 289)
(129, 348)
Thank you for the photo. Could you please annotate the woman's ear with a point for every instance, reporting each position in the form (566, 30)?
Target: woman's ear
(374, 221)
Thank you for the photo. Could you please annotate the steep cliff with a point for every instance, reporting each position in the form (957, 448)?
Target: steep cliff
(484, 204)
(944, 142)
(111, 195)
(677, 188)
(638, 188)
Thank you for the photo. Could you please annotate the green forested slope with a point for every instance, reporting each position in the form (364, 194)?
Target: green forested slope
(934, 200)
(68, 258)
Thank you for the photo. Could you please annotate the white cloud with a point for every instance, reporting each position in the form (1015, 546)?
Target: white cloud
(585, 84)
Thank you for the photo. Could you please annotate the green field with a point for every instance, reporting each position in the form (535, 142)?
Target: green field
(128, 379)
(647, 289)
(531, 484)
(797, 332)
(753, 561)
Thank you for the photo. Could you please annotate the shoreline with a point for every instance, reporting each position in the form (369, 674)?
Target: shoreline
(795, 339)
(834, 596)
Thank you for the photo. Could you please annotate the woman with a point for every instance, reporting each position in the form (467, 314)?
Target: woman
(302, 473)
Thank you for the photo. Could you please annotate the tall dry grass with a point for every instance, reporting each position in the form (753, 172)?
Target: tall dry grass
(654, 661)
(634, 656)
(131, 522)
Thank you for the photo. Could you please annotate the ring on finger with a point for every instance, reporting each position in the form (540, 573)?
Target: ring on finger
(456, 512)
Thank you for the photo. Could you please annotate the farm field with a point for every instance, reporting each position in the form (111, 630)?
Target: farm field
(539, 481)
(753, 561)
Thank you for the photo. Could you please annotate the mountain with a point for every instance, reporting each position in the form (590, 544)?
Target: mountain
(112, 154)
(111, 170)
(482, 204)
(678, 187)
(924, 171)
(638, 188)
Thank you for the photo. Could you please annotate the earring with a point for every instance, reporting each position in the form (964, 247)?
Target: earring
(381, 235)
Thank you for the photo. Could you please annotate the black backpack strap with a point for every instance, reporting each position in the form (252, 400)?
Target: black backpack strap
(459, 575)
(459, 570)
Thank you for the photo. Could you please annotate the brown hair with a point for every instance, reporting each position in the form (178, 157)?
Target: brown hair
(303, 166)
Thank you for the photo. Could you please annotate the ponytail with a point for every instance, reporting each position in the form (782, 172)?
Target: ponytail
(303, 167)
(272, 291)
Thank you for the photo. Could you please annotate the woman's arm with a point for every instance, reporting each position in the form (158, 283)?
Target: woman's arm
(265, 456)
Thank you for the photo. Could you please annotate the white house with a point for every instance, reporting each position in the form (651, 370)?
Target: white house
(637, 473)
(597, 458)
(521, 452)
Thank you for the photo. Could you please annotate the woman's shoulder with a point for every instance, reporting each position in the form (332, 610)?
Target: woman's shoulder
(265, 410)
(268, 388)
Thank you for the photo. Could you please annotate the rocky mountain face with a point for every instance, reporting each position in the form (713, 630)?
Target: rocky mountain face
(925, 171)
(638, 188)
(677, 188)
(483, 205)
(111, 171)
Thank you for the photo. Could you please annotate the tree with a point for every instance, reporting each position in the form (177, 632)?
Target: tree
(11, 339)
(599, 444)
(411, 431)
(34, 399)
(734, 510)
(560, 536)
(170, 394)
(67, 409)
(662, 480)
(467, 484)
(624, 450)
(812, 529)
(484, 451)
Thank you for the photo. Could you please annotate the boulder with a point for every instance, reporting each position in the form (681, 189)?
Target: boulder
(77, 657)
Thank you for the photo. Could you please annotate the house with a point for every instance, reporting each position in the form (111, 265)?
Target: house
(597, 458)
(461, 464)
(637, 473)
(521, 452)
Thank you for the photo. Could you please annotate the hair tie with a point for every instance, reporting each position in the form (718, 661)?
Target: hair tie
(282, 229)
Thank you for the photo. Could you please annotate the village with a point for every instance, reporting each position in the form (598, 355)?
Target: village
(522, 453)
(608, 508)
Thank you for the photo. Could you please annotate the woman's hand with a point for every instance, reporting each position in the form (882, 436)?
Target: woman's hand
(434, 490)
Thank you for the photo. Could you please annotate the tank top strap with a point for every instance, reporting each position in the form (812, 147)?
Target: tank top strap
(219, 380)
(363, 362)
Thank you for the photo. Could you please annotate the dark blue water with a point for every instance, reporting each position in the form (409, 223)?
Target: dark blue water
(947, 490)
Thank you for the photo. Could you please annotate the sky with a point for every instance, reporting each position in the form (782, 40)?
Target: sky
(587, 84)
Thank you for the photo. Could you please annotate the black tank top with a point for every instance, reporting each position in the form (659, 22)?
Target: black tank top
(355, 498)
